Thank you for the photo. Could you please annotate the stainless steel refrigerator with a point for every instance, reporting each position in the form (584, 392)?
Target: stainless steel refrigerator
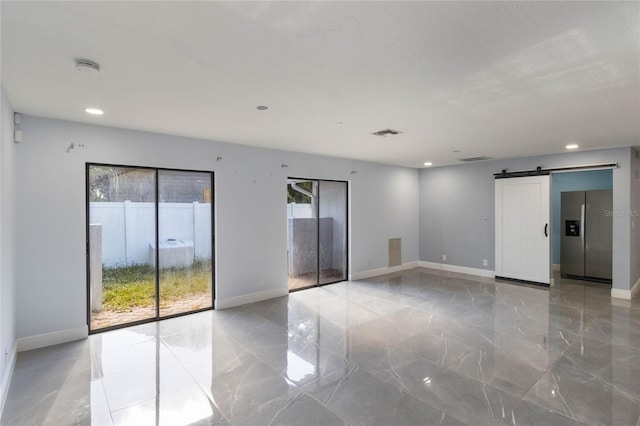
(586, 235)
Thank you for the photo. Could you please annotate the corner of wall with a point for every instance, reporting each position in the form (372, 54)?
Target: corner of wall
(635, 290)
(6, 377)
(231, 302)
(457, 207)
(485, 273)
(50, 339)
(382, 271)
(8, 343)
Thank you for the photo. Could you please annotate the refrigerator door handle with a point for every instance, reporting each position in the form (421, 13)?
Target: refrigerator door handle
(582, 215)
(546, 229)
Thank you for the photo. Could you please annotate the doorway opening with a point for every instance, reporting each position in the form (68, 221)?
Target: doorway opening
(523, 212)
(582, 225)
(317, 232)
(149, 244)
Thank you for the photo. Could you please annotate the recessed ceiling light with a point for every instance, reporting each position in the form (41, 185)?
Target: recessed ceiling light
(428, 164)
(262, 107)
(94, 111)
(572, 146)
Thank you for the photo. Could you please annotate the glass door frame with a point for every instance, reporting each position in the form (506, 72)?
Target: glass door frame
(346, 232)
(157, 316)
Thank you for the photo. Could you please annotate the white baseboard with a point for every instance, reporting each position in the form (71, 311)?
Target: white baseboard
(460, 269)
(54, 338)
(626, 294)
(250, 298)
(8, 374)
(382, 271)
(621, 294)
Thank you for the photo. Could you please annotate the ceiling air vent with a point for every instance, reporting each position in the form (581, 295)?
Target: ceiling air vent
(87, 66)
(386, 132)
(471, 159)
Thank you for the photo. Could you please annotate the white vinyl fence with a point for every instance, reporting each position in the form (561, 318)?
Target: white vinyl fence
(295, 210)
(128, 229)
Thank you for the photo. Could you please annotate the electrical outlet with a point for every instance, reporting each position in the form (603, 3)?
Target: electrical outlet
(485, 262)
(262, 281)
(444, 257)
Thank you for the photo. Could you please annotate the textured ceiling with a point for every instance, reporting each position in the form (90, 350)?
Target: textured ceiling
(501, 79)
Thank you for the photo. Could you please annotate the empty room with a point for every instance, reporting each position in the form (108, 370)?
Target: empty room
(319, 213)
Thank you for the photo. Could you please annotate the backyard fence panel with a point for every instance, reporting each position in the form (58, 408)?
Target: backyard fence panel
(296, 210)
(176, 221)
(139, 232)
(129, 227)
(202, 225)
(111, 216)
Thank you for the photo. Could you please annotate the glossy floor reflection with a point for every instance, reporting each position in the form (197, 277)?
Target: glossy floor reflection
(416, 347)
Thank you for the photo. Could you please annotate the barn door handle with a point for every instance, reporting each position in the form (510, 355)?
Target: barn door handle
(546, 229)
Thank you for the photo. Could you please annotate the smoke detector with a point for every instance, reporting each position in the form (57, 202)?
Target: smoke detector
(87, 66)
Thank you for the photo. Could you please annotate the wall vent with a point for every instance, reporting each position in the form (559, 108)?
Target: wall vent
(386, 132)
(395, 252)
(471, 159)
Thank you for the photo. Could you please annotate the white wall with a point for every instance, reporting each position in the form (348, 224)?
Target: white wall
(7, 238)
(250, 209)
(457, 208)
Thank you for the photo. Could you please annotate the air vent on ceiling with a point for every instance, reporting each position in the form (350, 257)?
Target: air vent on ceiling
(386, 132)
(470, 159)
(87, 66)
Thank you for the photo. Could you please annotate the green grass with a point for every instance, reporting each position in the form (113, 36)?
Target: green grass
(134, 286)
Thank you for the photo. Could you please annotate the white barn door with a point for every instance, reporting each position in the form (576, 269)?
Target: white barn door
(523, 247)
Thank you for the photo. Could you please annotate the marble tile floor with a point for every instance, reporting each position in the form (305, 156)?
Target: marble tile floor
(418, 347)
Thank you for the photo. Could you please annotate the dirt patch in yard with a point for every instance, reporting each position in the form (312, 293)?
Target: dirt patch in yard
(190, 303)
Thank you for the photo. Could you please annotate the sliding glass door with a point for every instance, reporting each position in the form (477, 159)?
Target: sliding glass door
(149, 244)
(302, 233)
(184, 230)
(122, 222)
(316, 232)
(333, 231)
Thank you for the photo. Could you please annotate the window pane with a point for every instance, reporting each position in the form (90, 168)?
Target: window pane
(333, 231)
(302, 233)
(185, 241)
(121, 229)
